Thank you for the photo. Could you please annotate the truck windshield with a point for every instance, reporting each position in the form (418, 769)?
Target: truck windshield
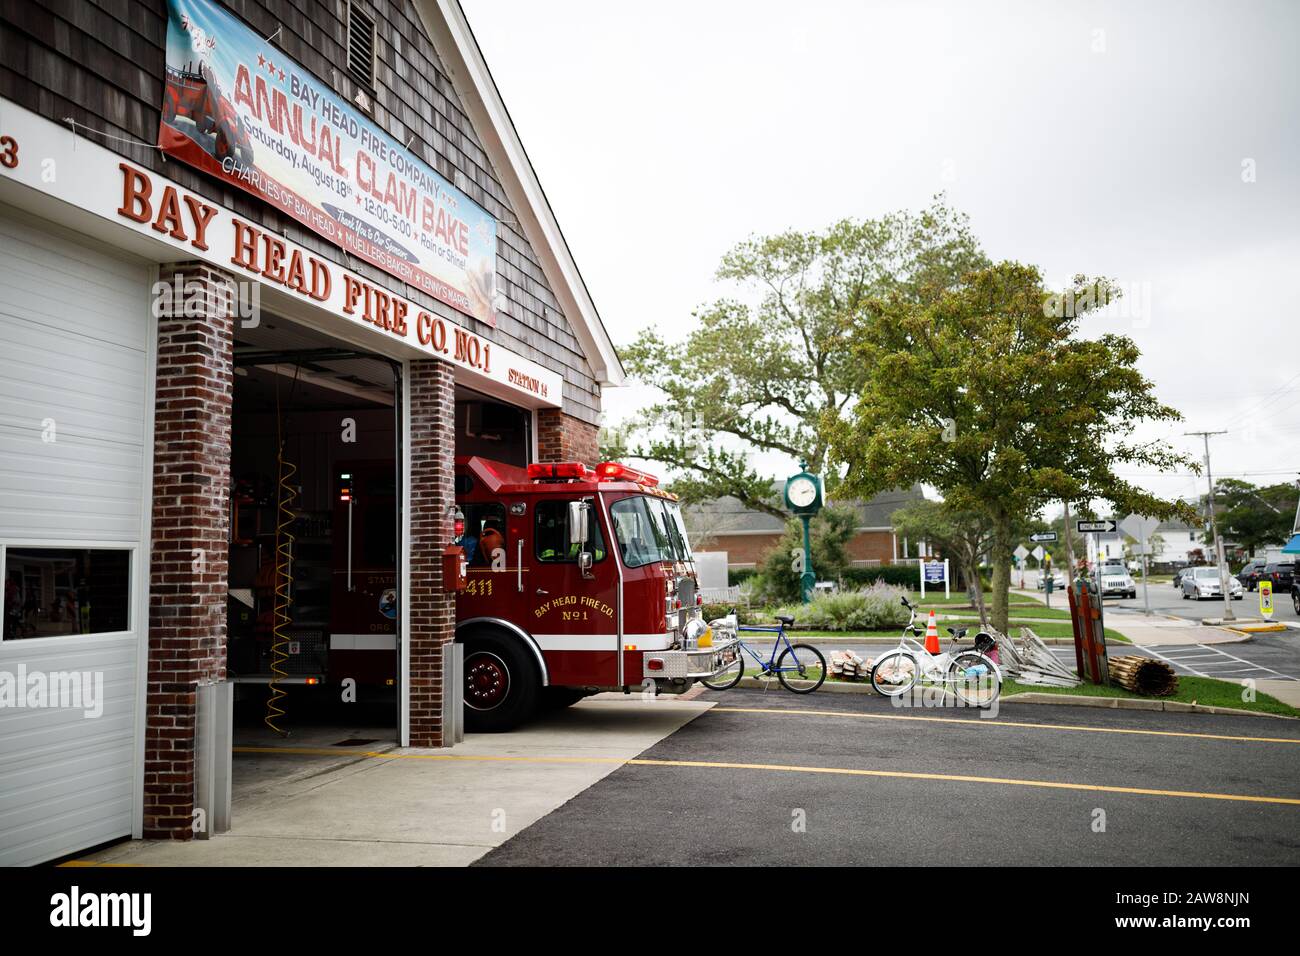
(649, 530)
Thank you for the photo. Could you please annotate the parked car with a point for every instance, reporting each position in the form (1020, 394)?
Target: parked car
(1116, 581)
(1249, 574)
(1058, 580)
(1281, 573)
(1204, 583)
(1179, 575)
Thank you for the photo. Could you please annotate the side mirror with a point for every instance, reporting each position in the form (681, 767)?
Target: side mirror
(578, 511)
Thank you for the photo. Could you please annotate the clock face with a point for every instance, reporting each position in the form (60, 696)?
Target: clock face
(802, 492)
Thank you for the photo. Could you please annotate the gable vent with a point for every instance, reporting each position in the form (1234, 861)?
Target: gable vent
(361, 47)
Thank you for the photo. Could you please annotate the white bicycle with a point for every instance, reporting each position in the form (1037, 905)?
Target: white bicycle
(969, 674)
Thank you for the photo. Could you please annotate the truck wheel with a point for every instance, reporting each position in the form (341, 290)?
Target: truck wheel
(501, 684)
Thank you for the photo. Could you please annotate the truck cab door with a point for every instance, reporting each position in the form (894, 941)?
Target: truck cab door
(574, 609)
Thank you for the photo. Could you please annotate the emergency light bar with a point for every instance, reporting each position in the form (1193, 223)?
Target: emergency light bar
(562, 469)
(612, 470)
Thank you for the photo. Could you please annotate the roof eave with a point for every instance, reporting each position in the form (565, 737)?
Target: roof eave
(446, 24)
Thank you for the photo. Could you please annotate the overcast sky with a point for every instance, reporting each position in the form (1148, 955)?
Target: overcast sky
(1104, 138)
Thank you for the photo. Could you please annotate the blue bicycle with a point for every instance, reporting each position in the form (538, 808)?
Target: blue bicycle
(801, 669)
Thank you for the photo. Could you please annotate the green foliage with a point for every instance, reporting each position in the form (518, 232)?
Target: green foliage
(989, 394)
(758, 373)
(740, 575)
(902, 575)
(1252, 517)
(874, 608)
(830, 532)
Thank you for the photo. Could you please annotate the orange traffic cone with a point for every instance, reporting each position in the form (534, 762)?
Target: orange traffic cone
(932, 635)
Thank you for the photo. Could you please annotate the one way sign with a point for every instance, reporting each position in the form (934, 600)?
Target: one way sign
(1095, 527)
(1043, 536)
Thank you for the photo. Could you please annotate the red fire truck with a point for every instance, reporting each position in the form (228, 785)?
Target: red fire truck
(577, 581)
(574, 581)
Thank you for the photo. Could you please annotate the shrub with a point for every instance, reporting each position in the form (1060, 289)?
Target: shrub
(904, 575)
(740, 575)
(876, 607)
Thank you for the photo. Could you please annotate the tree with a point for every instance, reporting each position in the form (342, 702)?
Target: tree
(989, 394)
(1252, 516)
(961, 535)
(829, 534)
(761, 375)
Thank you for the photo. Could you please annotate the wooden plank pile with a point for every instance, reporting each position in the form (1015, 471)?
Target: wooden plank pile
(1028, 661)
(847, 665)
(1144, 675)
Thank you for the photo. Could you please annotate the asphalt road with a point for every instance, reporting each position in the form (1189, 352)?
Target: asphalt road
(1166, 600)
(751, 782)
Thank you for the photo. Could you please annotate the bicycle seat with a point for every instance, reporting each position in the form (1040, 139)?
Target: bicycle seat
(958, 634)
(786, 620)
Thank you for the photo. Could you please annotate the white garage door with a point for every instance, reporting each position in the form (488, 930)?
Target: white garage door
(75, 428)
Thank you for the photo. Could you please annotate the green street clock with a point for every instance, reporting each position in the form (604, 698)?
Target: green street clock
(803, 492)
(803, 496)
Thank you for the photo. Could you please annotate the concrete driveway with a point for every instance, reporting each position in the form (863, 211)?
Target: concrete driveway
(309, 802)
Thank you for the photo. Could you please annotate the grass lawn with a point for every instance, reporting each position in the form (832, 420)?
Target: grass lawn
(1199, 690)
(1049, 630)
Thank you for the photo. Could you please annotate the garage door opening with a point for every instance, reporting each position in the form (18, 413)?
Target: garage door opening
(313, 608)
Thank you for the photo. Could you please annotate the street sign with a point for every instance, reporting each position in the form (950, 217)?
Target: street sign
(1266, 599)
(1021, 552)
(1095, 527)
(934, 572)
(1139, 527)
(1043, 536)
(1038, 552)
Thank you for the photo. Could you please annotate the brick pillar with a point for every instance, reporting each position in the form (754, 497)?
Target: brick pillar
(187, 578)
(562, 437)
(430, 610)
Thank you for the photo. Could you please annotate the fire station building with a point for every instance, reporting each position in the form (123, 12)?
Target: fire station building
(266, 269)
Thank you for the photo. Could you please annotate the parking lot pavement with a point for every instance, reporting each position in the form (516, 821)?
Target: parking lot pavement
(1256, 660)
(778, 779)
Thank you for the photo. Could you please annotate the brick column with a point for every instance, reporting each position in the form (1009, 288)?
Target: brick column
(562, 437)
(187, 579)
(430, 610)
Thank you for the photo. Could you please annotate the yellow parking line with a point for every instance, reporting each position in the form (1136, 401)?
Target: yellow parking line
(782, 768)
(1003, 723)
(963, 778)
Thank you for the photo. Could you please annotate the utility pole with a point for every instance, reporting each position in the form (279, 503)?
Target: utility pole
(1214, 528)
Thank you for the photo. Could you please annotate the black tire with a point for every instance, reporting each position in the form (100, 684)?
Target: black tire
(977, 691)
(502, 684)
(1295, 600)
(729, 678)
(558, 698)
(806, 658)
(898, 677)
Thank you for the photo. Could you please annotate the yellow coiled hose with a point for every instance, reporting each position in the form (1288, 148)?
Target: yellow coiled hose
(284, 539)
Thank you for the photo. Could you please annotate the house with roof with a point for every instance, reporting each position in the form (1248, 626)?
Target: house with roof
(748, 534)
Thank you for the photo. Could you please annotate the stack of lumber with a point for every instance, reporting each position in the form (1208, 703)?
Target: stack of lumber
(1144, 675)
(1030, 662)
(849, 666)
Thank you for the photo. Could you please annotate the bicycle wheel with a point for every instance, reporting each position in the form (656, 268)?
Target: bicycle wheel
(894, 673)
(975, 679)
(730, 677)
(807, 669)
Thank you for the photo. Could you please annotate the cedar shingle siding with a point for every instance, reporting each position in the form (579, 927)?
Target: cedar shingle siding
(102, 63)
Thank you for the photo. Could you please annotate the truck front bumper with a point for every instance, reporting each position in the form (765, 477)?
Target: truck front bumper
(690, 664)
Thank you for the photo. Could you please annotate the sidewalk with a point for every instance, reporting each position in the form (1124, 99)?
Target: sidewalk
(416, 807)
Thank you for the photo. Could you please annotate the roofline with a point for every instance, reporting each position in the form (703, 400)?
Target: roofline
(468, 71)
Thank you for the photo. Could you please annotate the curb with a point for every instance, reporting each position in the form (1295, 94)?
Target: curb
(1063, 700)
(1134, 703)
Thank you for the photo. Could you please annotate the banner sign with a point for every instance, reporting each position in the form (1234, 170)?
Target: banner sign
(934, 572)
(237, 108)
